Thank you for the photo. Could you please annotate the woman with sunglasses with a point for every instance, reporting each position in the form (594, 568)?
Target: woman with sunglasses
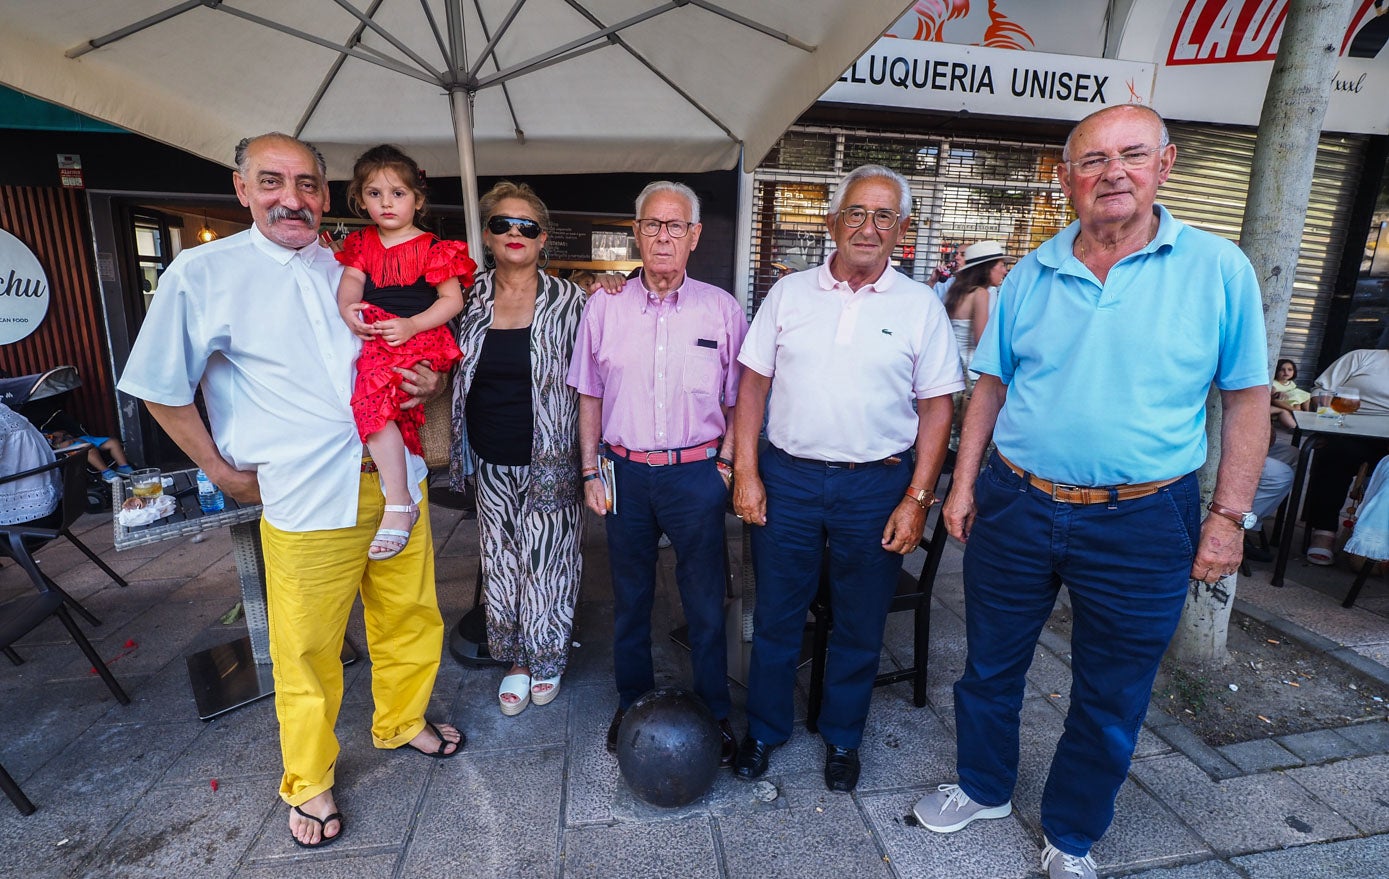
(515, 423)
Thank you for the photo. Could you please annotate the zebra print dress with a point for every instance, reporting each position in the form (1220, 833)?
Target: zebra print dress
(530, 519)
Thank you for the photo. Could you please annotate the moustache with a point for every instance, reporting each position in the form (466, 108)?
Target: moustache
(280, 212)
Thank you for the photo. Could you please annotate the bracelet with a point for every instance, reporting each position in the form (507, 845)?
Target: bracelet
(724, 461)
(589, 477)
(589, 470)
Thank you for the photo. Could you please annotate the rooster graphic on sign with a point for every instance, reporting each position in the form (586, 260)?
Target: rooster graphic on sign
(981, 28)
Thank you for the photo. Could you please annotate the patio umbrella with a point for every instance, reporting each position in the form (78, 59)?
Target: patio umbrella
(468, 86)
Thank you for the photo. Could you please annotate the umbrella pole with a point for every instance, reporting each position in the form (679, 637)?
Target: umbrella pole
(461, 104)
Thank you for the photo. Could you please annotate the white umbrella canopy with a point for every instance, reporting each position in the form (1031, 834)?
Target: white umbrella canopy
(556, 86)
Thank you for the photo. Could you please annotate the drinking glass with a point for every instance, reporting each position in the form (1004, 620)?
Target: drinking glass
(1346, 401)
(1321, 403)
(148, 482)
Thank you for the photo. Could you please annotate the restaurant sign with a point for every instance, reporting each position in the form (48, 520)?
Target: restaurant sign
(945, 76)
(23, 290)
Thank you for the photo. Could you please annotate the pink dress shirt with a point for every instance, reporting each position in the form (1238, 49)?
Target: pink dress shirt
(664, 368)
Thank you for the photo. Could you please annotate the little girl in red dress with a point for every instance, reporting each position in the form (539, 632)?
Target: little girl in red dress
(400, 288)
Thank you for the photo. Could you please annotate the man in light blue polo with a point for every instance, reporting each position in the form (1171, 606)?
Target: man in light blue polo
(1094, 374)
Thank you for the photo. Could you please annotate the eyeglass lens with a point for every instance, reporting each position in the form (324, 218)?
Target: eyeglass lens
(502, 225)
(652, 228)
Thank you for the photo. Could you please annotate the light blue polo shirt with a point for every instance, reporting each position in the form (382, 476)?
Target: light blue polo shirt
(1107, 383)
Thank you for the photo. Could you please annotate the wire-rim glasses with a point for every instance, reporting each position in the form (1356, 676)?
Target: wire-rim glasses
(856, 216)
(1131, 160)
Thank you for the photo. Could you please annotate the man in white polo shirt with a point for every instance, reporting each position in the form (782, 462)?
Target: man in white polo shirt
(254, 318)
(862, 363)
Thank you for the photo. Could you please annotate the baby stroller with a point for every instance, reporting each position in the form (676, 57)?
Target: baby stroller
(39, 398)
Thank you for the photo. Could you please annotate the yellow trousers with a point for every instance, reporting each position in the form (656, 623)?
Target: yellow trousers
(312, 580)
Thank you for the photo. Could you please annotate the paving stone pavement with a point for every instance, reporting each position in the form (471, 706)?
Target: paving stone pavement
(128, 791)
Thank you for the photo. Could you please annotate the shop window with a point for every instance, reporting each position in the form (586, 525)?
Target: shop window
(157, 242)
(963, 190)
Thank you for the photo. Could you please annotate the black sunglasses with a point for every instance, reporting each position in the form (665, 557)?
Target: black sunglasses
(502, 225)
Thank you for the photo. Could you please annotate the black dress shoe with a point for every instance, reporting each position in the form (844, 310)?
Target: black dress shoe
(730, 743)
(613, 728)
(751, 760)
(841, 768)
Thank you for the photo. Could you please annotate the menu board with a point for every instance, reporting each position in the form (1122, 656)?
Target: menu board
(590, 238)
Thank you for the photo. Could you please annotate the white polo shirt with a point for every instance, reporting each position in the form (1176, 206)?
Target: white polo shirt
(258, 325)
(846, 366)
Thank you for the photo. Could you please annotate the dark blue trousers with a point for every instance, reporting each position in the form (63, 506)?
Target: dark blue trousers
(687, 502)
(1126, 568)
(812, 509)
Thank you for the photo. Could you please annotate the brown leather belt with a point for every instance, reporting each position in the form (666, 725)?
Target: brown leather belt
(1081, 494)
(666, 457)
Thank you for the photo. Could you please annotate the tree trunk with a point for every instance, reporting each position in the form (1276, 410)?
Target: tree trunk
(1285, 155)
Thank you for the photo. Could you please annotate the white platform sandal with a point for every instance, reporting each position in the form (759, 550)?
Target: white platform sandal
(394, 539)
(546, 696)
(517, 685)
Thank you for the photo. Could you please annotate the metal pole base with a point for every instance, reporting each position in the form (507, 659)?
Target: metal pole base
(468, 640)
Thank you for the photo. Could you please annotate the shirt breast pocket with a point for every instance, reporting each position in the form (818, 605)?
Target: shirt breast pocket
(702, 369)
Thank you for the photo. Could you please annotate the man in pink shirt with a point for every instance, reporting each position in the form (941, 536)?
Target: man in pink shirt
(656, 370)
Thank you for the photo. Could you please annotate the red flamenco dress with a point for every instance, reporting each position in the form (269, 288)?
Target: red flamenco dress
(400, 282)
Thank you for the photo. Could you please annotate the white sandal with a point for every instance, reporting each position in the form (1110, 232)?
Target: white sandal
(517, 685)
(544, 697)
(393, 538)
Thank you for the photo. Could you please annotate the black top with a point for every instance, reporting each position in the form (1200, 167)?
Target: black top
(401, 301)
(500, 423)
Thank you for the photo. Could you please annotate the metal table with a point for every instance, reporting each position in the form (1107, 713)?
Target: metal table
(237, 673)
(1313, 428)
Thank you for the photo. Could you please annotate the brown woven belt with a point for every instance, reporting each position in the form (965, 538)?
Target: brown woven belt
(1081, 494)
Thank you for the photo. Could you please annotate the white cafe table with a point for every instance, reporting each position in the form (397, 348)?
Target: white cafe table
(1314, 430)
(239, 672)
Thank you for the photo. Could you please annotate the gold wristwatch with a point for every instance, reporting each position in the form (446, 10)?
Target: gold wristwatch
(924, 497)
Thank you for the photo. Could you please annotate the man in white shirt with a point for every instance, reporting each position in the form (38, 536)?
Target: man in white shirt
(862, 363)
(254, 318)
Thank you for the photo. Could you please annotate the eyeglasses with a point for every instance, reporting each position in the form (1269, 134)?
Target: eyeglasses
(883, 219)
(1093, 166)
(503, 225)
(675, 228)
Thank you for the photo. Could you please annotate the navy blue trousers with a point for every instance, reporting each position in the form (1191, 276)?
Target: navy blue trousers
(687, 502)
(1127, 570)
(812, 509)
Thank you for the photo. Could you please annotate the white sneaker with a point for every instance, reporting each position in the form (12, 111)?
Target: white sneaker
(949, 809)
(1060, 865)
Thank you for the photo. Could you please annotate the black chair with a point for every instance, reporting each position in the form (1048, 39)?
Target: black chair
(72, 505)
(913, 594)
(22, 615)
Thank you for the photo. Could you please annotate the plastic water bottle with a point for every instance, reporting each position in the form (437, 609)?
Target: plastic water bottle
(209, 495)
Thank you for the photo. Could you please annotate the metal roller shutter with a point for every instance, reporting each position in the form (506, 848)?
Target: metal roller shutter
(966, 189)
(1207, 189)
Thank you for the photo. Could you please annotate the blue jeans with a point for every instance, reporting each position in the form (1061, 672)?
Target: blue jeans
(1126, 568)
(687, 502)
(812, 508)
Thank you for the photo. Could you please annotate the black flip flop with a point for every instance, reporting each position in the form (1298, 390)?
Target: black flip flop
(324, 838)
(440, 754)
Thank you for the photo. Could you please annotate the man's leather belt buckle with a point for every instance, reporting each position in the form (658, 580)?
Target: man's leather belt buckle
(1061, 492)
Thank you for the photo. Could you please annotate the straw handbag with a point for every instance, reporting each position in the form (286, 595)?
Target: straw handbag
(436, 436)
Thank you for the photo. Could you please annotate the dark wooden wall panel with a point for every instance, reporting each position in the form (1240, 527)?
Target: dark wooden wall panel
(52, 222)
